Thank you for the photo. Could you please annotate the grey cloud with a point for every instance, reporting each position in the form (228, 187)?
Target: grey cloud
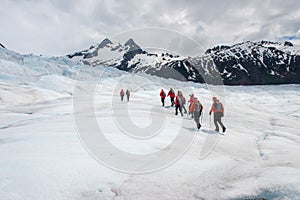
(55, 27)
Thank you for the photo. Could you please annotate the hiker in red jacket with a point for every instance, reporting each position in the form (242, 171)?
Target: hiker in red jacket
(171, 93)
(162, 97)
(218, 109)
(122, 93)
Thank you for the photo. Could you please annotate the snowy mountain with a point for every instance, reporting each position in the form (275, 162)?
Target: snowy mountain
(128, 57)
(245, 63)
(261, 62)
(107, 53)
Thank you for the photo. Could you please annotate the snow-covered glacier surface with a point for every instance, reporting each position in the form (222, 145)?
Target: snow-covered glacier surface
(41, 156)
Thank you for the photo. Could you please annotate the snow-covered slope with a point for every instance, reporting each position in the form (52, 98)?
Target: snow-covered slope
(42, 157)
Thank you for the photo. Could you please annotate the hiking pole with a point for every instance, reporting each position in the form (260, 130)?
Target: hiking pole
(210, 121)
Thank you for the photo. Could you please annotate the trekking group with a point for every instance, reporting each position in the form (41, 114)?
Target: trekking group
(195, 107)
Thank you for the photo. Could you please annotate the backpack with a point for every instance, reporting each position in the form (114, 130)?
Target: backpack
(197, 106)
(180, 101)
(218, 107)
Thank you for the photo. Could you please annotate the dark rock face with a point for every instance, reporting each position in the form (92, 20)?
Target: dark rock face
(286, 43)
(257, 63)
(132, 50)
(246, 63)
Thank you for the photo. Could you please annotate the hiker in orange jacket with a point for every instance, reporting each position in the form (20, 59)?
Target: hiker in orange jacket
(218, 109)
(196, 108)
(190, 104)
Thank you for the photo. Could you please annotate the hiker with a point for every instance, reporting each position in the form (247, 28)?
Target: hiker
(218, 109)
(196, 108)
(178, 102)
(190, 104)
(122, 93)
(162, 97)
(127, 94)
(171, 93)
(182, 102)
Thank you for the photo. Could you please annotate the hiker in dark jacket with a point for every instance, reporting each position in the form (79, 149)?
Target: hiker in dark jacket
(182, 102)
(178, 103)
(127, 94)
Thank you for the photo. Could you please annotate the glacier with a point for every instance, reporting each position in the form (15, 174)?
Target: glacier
(42, 156)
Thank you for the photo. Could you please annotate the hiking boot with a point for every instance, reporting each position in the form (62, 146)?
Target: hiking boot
(217, 130)
(198, 125)
(224, 129)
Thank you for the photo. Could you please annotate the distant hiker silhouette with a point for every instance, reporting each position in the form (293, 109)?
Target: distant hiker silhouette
(127, 94)
(122, 93)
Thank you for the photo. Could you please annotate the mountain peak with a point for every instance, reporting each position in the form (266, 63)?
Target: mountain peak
(104, 42)
(2, 46)
(132, 45)
(130, 40)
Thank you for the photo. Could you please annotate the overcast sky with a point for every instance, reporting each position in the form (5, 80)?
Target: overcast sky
(57, 27)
